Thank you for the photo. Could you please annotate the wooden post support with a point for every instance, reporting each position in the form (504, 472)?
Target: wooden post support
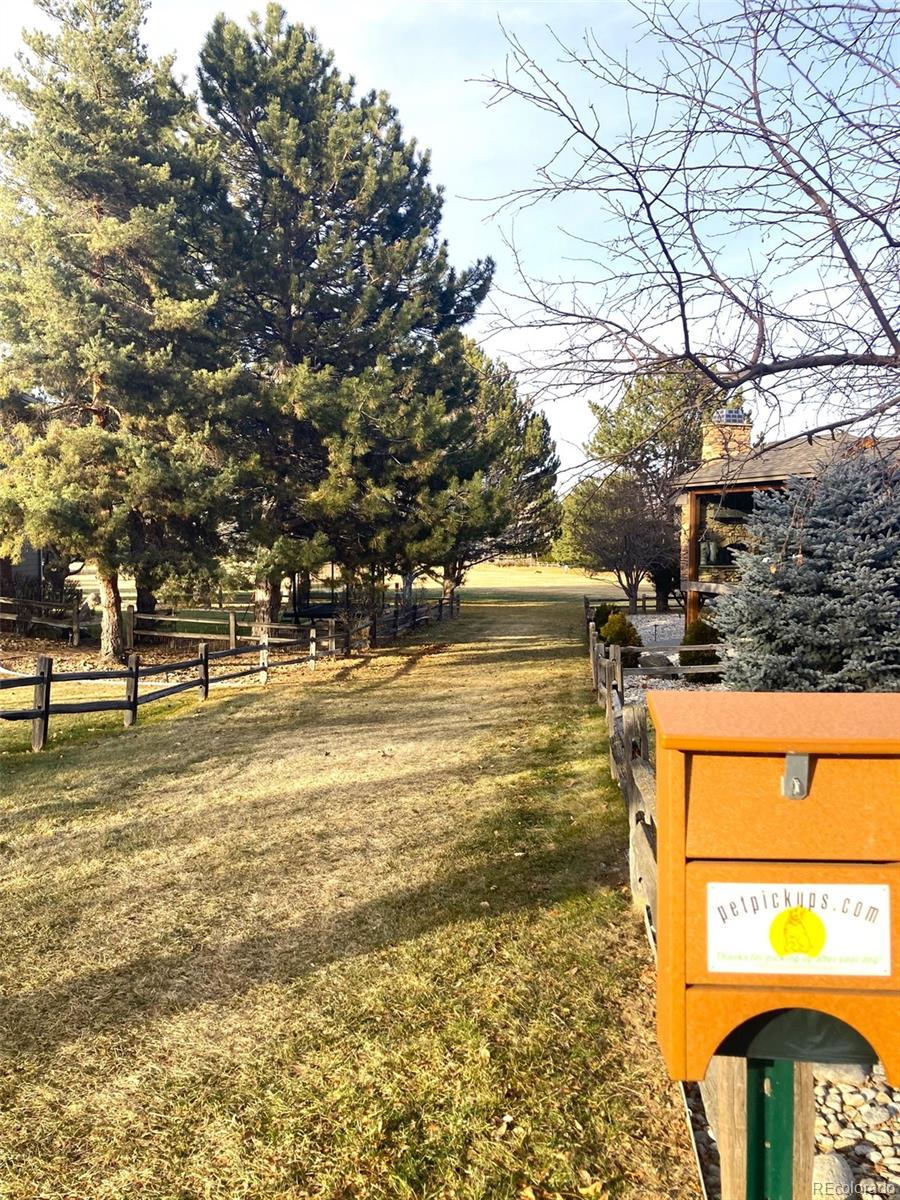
(203, 669)
(264, 658)
(587, 611)
(373, 632)
(396, 622)
(332, 639)
(440, 609)
(592, 650)
(348, 637)
(76, 622)
(415, 616)
(724, 1092)
(232, 630)
(762, 1115)
(131, 690)
(129, 628)
(40, 723)
(312, 646)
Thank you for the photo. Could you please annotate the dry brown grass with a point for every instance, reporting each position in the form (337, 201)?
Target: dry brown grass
(361, 934)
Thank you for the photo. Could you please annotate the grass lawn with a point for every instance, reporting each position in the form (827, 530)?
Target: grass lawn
(360, 934)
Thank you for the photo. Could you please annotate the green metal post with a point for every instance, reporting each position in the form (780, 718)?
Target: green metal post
(770, 1129)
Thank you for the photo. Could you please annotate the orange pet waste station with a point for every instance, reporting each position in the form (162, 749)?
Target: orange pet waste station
(778, 921)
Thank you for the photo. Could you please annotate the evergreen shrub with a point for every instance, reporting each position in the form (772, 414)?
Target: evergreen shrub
(602, 613)
(700, 633)
(619, 631)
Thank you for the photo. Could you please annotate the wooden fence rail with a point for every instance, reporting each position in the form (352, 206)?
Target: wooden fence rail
(723, 1091)
(20, 611)
(361, 634)
(620, 604)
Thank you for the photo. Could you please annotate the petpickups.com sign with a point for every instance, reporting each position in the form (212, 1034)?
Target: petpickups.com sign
(799, 929)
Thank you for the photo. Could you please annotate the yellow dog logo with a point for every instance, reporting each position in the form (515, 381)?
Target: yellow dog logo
(797, 931)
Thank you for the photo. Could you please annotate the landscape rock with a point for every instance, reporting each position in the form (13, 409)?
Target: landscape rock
(878, 1137)
(850, 1073)
(874, 1115)
(830, 1170)
(653, 659)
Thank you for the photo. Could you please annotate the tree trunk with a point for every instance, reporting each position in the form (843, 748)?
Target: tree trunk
(145, 601)
(662, 598)
(449, 582)
(266, 602)
(112, 644)
(406, 588)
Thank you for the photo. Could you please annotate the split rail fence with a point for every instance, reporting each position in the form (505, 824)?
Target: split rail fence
(645, 604)
(335, 643)
(723, 1092)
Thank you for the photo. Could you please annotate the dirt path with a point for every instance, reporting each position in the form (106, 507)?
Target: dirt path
(361, 934)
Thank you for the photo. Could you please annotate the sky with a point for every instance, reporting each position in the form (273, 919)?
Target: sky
(428, 55)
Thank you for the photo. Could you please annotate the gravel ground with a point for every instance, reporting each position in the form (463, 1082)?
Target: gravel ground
(659, 628)
(858, 1120)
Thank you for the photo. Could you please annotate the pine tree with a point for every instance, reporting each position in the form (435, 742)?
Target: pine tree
(107, 308)
(338, 261)
(817, 607)
(116, 498)
(499, 498)
(334, 263)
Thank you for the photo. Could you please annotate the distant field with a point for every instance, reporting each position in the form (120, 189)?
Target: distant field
(488, 578)
(551, 581)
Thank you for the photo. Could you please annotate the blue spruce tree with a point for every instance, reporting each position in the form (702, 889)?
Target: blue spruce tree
(817, 608)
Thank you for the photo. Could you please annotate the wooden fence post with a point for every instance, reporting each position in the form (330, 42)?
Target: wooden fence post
(396, 622)
(312, 646)
(619, 676)
(592, 650)
(373, 633)
(440, 608)
(415, 616)
(264, 658)
(203, 669)
(129, 628)
(643, 733)
(76, 622)
(40, 723)
(232, 630)
(348, 637)
(587, 611)
(332, 639)
(131, 690)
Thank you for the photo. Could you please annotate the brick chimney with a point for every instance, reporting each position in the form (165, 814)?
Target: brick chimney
(726, 434)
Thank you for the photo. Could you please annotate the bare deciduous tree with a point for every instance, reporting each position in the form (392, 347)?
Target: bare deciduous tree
(748, 205)
(608, 527)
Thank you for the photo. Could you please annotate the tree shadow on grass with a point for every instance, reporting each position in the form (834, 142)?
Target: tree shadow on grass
(497, 878)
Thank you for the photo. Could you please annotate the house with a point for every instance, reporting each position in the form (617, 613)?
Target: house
(716, 498)
(24, 575)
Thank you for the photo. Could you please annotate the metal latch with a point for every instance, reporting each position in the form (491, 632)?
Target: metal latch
(795, 784)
